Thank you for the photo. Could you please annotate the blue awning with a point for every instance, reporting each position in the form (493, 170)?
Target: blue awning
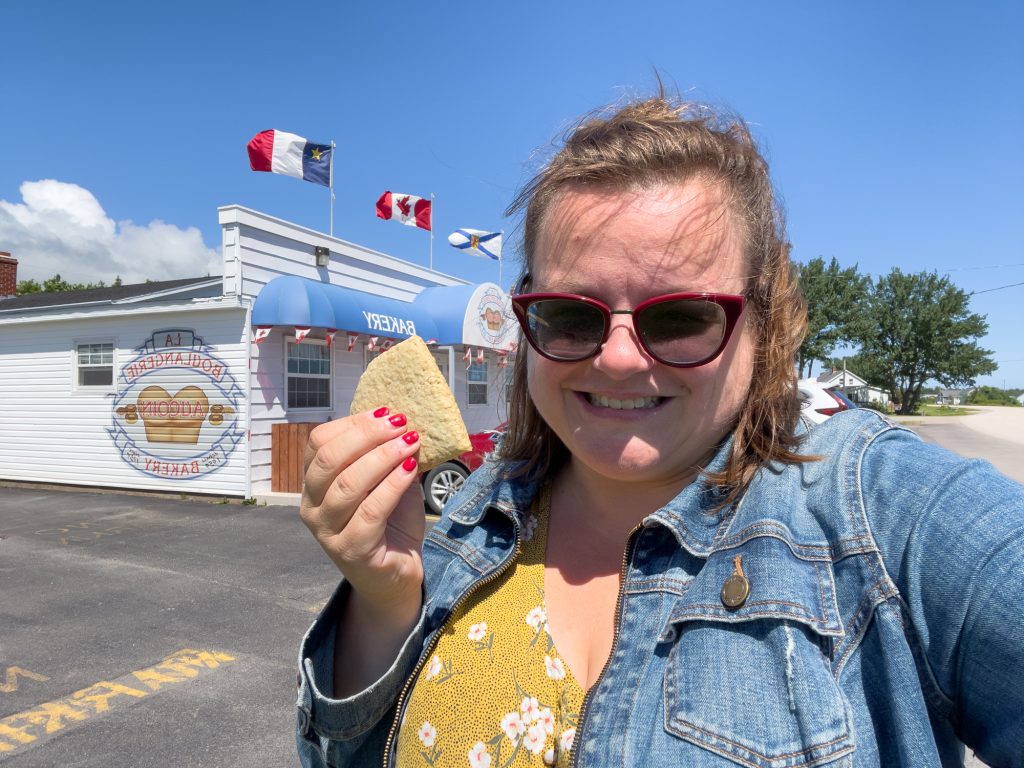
(458, 314)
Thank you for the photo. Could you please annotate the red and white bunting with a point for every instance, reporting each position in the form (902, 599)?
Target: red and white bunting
(467, 355)
(431, 342)
(502, 358)
(261, 333)
(480, 356)
(352, 341)
(329, 336)
(300, 334)
(371, 344)
(386, 344)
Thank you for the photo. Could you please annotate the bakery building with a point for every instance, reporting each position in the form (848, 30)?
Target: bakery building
(210, 385)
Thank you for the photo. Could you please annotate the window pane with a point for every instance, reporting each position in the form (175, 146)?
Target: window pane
(95, 377)
(477, 394)
(477, 372)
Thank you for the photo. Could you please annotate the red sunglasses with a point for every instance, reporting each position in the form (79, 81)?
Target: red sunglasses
(683, 330)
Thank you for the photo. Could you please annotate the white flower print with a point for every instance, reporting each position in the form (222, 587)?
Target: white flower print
(433, 668)
(530, 709)
(477, 632)
(536, 617)
(530, 524)
(549, 756)
(513, 726)
(479, 757)
(568, 737)
(427, 734)
(554, 667)
(535, 738)
(547, 720)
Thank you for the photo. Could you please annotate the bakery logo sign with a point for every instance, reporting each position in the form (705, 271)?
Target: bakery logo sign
(493, 318)
(177, 408)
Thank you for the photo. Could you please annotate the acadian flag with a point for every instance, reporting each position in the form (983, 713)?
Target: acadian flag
(280, 152)
(405, 209)
(477, 242)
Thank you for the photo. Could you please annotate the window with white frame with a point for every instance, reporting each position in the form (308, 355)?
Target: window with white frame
(309, 374)
(476, 382)
(94, 362)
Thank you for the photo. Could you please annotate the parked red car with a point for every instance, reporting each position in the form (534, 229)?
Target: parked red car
(441, 483)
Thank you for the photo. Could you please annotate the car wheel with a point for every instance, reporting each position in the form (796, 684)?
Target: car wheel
(441, 483)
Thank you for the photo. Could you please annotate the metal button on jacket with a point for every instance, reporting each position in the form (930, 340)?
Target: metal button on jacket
(736, 587)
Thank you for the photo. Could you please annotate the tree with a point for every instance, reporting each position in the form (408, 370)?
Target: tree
(56, 283)
(921, 328)
(836, 301)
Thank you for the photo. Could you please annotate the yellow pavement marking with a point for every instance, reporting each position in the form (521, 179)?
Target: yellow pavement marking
(10, 685)
(25, 728)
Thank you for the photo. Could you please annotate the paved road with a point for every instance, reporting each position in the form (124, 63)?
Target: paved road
(140, 631)
(995, 434)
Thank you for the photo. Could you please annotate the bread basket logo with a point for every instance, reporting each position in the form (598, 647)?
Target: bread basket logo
(177, 408)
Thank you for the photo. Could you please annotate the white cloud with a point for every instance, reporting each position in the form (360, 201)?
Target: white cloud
(62, 228)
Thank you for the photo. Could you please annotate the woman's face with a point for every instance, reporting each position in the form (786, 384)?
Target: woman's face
(623, 247)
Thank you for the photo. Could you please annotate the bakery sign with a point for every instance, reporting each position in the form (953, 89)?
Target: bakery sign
(176, 412)
(489, 321)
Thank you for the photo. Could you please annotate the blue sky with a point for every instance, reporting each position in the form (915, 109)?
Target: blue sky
(893, 132)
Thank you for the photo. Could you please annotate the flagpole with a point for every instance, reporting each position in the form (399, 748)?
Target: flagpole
(332, 186)
(431, 231)
(499, 261)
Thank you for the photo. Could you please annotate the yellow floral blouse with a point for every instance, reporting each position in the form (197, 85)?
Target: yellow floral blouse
(495, 693)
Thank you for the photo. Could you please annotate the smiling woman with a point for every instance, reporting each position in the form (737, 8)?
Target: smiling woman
(663, 565)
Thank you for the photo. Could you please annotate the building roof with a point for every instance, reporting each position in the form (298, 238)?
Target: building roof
(110, 294)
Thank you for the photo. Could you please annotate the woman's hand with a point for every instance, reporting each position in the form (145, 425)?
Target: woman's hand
(362, 501)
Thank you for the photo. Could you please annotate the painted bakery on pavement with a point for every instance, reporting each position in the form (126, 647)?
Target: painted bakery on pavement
(212, 384)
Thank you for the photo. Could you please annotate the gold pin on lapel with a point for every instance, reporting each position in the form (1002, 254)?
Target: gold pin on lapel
(736, 587)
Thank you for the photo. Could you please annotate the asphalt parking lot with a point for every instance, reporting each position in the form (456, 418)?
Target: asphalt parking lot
(142, 631)
(155, 631)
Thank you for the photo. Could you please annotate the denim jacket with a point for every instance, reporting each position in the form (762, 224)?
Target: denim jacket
(884, 624)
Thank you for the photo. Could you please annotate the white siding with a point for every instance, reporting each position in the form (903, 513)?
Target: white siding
(53, 431)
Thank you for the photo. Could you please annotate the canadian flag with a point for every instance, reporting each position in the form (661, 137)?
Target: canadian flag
(467, 355)
(371, 344)
(405, 209)
(479, 355)
(300, 334)
(329, 335)
(261, 333)
(352, 341)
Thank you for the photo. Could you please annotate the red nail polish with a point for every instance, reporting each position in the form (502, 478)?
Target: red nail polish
(398, 420)
(409, 464)
(382, 411)
(411, 437)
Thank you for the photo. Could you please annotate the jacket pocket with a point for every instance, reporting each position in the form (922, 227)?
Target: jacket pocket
(754, 683)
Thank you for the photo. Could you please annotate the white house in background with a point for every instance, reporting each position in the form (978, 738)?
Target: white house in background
(853, 386)
(212, 384)
(952, 396)
(1020, 398)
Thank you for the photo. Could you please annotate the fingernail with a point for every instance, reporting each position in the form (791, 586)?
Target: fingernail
(409, 464)
(398, 420)
(411, 437)
(382, 411)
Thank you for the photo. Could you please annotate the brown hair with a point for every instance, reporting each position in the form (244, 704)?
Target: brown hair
(660, 140)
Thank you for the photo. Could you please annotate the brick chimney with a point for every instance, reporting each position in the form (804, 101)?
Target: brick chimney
(8, 275)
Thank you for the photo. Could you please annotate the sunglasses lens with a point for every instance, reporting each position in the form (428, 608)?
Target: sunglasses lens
(565, 329)
(682, 331)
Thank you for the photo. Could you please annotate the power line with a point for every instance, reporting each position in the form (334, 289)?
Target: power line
(989, 290)
(989, 266)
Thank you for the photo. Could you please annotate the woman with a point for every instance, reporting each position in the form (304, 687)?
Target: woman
(663, 567)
